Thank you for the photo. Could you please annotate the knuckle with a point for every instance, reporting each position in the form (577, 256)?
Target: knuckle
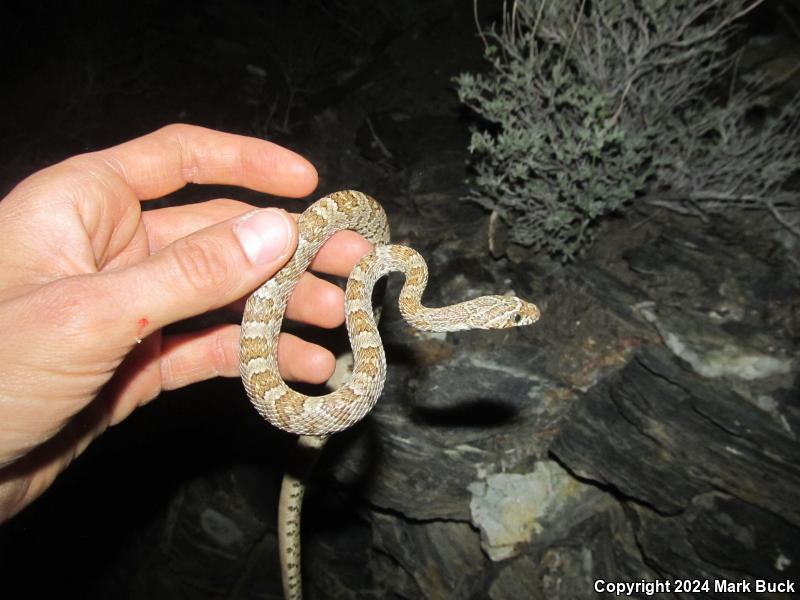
(223, 354)
(176, 140)
(177, 128)
(167, 370)
(202, 263)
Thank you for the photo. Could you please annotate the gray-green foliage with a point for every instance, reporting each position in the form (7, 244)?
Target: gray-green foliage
(593, 104)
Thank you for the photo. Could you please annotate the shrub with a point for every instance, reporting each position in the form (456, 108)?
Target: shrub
(593, 104)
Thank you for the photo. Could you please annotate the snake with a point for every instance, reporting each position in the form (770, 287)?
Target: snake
(315, 418)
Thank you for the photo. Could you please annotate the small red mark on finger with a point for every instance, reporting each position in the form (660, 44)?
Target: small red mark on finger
(142, 325)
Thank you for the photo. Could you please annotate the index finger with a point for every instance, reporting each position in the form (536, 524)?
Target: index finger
(167, 159)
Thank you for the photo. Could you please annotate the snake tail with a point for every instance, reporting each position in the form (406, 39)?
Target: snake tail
(293, 485)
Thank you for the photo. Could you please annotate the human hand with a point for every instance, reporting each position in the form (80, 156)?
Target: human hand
(88, 280)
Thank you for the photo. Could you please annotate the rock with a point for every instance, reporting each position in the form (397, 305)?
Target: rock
(600, 548)
(337, 536)
(720, 537)
(714, 353)
(511, 509)
(712, 478)
(517, 580)
(443, 558)
(222, 530)
(662, 435)
(505, 508)
(475, 399)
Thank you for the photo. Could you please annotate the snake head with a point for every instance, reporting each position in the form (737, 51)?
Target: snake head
(520, 313)
(501, 312)
(527, 314)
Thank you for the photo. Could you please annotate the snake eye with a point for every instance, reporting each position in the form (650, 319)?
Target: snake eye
(517, 318)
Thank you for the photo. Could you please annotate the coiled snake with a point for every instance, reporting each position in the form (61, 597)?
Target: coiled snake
(315, 418)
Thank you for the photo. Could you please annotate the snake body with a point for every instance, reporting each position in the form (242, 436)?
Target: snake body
(314, 418)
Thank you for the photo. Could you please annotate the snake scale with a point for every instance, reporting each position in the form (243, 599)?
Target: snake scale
(314, 418)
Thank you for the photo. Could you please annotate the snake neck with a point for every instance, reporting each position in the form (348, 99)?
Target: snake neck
(472, 314)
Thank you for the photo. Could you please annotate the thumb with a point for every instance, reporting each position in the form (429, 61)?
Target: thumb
(203, 271)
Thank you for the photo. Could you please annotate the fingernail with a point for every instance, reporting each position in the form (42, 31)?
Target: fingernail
(264, 235)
